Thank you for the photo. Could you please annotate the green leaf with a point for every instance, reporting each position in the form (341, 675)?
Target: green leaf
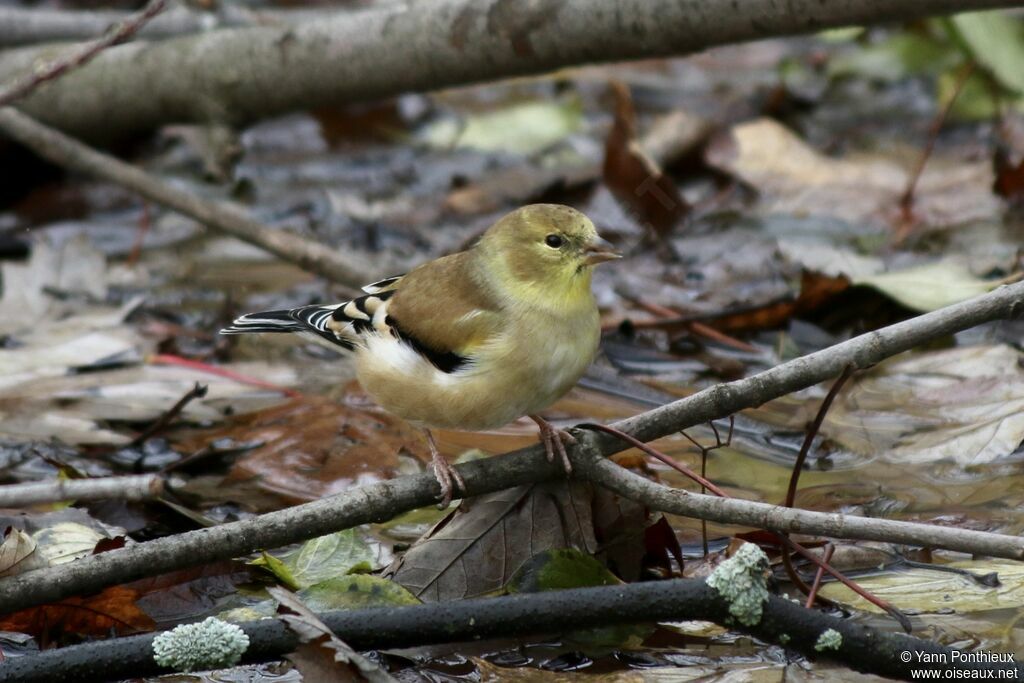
(559, 569)
(356, 591)
(930, 287)
(996, 41)
(319, 559)
(277, 568)
(525, 128)
(570, 568)
(901, 55)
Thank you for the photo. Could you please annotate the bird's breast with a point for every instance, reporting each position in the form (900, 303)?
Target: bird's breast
(523, 369)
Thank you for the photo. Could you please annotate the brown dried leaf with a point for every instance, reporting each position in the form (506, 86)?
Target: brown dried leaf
(322, 657)
(96, 615)
(475, 550)
(793, 178)
(634, 178)
(314, 447)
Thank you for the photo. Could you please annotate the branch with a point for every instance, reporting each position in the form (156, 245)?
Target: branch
(863, 648)
(240, 75)
(226, 217)
(21, 26)
(139, 487)
(80, 56)
(383, 500)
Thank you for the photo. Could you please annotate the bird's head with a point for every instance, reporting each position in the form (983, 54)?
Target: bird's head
(546, 247)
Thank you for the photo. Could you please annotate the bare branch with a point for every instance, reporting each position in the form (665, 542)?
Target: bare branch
(384, 500)
(223, 216)
(528, 614)
(80, 56)
(240, 75)
(140, 487)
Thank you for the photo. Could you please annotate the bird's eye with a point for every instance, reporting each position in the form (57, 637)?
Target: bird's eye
(553, 241)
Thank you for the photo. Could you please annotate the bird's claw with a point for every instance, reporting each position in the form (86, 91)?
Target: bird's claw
(448, 478)
(555, 440)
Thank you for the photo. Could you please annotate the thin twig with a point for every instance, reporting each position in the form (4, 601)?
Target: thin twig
(80, 56)
(782, 538)
(812, 432)
(222, 216)
(827, 556)
(798, 466)
(907, 198)
(197, 391)
(383, 500)
(656, 454)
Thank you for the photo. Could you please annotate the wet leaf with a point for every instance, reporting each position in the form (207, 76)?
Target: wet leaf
(319, 559)
(476, 550)
(563, 568)
(113, 610)
(558, 569)
(524, 128)
(67, 541)
(356, 591)
(314, 447)
(636, 181)
(18, 553)
(897, 56)
(996, 40)
(931, 590)
(963, 404)
(322, 657)
(931, 286)
(793, 178)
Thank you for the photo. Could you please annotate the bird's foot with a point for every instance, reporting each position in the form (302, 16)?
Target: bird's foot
(447, 476)
(555, 440)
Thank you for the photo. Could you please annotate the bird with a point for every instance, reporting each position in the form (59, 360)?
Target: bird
(473, 340)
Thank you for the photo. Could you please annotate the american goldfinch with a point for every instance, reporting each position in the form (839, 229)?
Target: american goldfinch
(473, 340)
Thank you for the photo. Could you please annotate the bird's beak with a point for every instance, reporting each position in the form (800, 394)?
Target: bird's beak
(599, 250)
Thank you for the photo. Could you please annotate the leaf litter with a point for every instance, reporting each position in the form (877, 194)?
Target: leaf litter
(788, 248)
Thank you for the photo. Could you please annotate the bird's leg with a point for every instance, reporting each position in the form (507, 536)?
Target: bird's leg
(447, 476)
(554, 441)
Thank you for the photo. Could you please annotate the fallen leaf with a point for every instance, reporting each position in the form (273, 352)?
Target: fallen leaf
(994, 40)
(319, 559)
(931, 286)
(792, 178)
(322, 657)
(560, 569)
(964, 404)
(67, 541)
(356, 591)
(18, 553)
(933, 590)
(313, 447)
(634, 178)
(524, 128)
(564, 568)
(475, 550)
(113, 610)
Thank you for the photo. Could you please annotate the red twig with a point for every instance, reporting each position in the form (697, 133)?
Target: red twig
(167, 359)
(783, 539)
(798, 467)
(704, 450)
(80, 55)
(812, 432)
(829, 549)
(907, 198)
(658, 455)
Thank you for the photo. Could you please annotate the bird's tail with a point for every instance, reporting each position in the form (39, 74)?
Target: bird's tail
(265, 321)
